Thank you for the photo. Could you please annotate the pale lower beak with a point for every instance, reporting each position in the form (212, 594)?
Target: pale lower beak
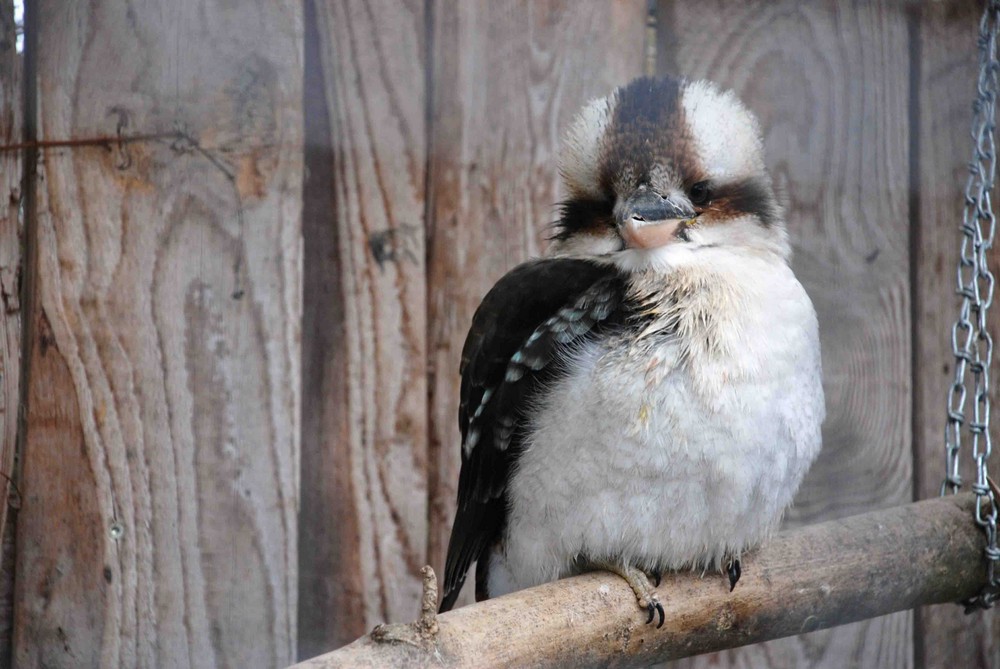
(650, 235)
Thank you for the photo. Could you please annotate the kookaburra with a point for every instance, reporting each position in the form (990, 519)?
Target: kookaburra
(647, 397)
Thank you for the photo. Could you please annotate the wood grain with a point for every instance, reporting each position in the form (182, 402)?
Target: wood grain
(947, 69)
(830, 86)
(507, 79)
(895, 553)
(160, 467)
(11, 106)
(364, 519)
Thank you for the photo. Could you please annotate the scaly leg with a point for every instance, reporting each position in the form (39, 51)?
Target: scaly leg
(639, 582)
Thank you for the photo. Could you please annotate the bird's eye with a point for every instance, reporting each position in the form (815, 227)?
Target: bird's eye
(700, 194)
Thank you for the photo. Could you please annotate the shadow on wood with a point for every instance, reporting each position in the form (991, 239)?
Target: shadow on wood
(803, 580)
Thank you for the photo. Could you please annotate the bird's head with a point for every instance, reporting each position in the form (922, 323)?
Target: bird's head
(662, 165)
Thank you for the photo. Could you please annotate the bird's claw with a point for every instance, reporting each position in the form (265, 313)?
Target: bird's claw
(654, 608)
(656, 576)
(734, 571)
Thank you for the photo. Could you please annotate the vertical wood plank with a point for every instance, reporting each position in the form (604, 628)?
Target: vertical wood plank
(830, 85)
(507, 79)
(947, 68)
(11, 105)
(364, 532)
(160, 467)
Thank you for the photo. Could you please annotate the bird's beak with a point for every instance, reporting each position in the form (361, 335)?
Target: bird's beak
(648, 220)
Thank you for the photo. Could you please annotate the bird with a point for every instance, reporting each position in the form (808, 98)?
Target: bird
(647, 396)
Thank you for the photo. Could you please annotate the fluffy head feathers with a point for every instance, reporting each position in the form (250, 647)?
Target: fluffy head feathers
(688, 142)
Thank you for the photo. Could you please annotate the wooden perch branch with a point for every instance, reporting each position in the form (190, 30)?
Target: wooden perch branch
(803, 580)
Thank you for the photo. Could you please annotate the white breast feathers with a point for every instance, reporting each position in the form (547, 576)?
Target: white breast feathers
(676, 444)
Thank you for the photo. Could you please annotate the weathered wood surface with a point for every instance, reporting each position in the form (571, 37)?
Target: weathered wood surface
(11, 106)
(160, 522)
(160, 468)
(506, 81)
(830, 86)
(804, 579)
(947, 69)
(364, 514)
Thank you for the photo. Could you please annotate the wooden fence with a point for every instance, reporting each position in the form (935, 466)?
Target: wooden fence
(240, 254)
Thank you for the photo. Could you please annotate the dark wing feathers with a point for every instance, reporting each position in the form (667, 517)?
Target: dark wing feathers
(517, 332)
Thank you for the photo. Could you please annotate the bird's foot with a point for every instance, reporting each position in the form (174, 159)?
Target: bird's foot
(639, 582)
(734, 571)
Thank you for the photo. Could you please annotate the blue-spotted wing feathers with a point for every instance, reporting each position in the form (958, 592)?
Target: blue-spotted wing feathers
(529, 317)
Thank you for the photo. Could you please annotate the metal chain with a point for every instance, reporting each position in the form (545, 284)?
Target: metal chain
(971, 342)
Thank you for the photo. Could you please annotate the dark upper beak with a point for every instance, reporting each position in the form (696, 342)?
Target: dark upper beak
(650, 207)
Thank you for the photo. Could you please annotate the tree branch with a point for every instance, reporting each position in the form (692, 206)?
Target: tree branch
(802, 580)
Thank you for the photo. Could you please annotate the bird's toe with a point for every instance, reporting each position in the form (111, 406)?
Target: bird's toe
(655, 608)
(734, 570)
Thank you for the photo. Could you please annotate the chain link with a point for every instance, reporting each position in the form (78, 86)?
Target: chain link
(971, 342)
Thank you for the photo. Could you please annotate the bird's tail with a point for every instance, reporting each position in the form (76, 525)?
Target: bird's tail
(451, 595)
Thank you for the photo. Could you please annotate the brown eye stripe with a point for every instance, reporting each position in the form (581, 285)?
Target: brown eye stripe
(583, 215)
(749, 196)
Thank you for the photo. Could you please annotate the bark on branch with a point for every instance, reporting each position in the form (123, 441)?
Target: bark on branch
(802, 580)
